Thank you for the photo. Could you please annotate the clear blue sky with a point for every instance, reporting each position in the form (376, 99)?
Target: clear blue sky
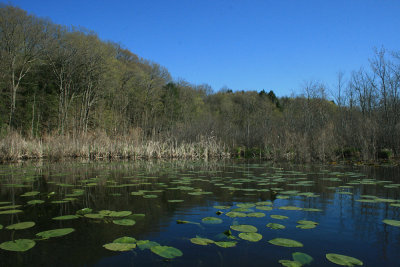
(242, 44)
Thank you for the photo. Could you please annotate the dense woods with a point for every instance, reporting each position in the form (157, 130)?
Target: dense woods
(65, 92)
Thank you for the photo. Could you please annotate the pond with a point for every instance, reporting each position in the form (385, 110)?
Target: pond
(216, 213)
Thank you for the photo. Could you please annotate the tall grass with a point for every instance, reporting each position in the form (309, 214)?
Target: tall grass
(98, 145)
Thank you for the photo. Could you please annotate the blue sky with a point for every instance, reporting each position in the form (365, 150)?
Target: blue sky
(242, 44)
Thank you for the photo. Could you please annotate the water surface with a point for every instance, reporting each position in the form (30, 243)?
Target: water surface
(160, 194)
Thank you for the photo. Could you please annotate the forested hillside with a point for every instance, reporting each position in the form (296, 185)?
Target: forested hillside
(65, 92)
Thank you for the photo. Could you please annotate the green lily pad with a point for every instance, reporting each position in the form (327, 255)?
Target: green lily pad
(279, 217)
(140, 193)
(226, 244)
(166, 251)
(266, 208)
(307, 222)
(290, 208)
(20, 226)
(234, 214)
(5, 202)
(84, 211)
(211, 220)
(222, 207)
(10, 212)
(123, 213)
(124, 222)
(35, 201)
(306, 226)
(276, 226)
(1, 226)
(125, 240)
(201, 241)
(175, 200)
(244, 228)
(119, 246)
(10, 207)
(256, 214)
(392, 222)
(312, 209)
(30, 194)
(289, 263)
(150, 196)
(55, 233)
(284, 242)
(253, 237)
(19, 245)
(303, 258)
(245, 205)
(343, 260)
(146, 244)
(262, 203)
(66, 217)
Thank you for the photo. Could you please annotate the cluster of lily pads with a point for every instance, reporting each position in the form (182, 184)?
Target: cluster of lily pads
(278, 183)
(250, 233)
(127, 243)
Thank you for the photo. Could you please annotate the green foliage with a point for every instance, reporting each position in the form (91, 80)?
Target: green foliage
(75, 84)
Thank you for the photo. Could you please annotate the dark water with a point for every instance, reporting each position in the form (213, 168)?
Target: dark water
(345, 225)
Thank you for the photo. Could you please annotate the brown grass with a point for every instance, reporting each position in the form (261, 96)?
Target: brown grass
(98, 145)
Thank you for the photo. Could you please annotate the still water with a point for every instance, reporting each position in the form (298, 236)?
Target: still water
(223, 213)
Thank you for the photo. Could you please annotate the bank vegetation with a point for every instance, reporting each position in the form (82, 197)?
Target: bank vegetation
(66, 93)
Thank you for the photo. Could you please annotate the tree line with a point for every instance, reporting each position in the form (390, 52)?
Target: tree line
(66, 81)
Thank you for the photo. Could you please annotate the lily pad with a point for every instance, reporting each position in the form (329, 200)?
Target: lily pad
(150, 196)
(201, 241)
(279, 217)
(84, 211)
(10, 207)
(343, 260)
(290, 208)
(30, 194)
(146, 244)
(303, 258)
(284, 242)
(123, 213)
(306, 226)
(125, 240)
(175, 200)
(124, 222)
(392, 222)
(234, 214)
(119, 246)
(211, 220)
(35, 201)
(253, 237)
(66, 217)
(244, 228)
(276, 226)
(19, 245)
(166, 251)
(55, 233)
(20, 226)
(226, 244)
(222, 207)
(256, 214)
(10, 212)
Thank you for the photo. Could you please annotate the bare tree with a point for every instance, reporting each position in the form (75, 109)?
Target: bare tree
(22, 39)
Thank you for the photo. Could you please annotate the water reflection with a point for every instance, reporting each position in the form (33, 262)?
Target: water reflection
(346, 226)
